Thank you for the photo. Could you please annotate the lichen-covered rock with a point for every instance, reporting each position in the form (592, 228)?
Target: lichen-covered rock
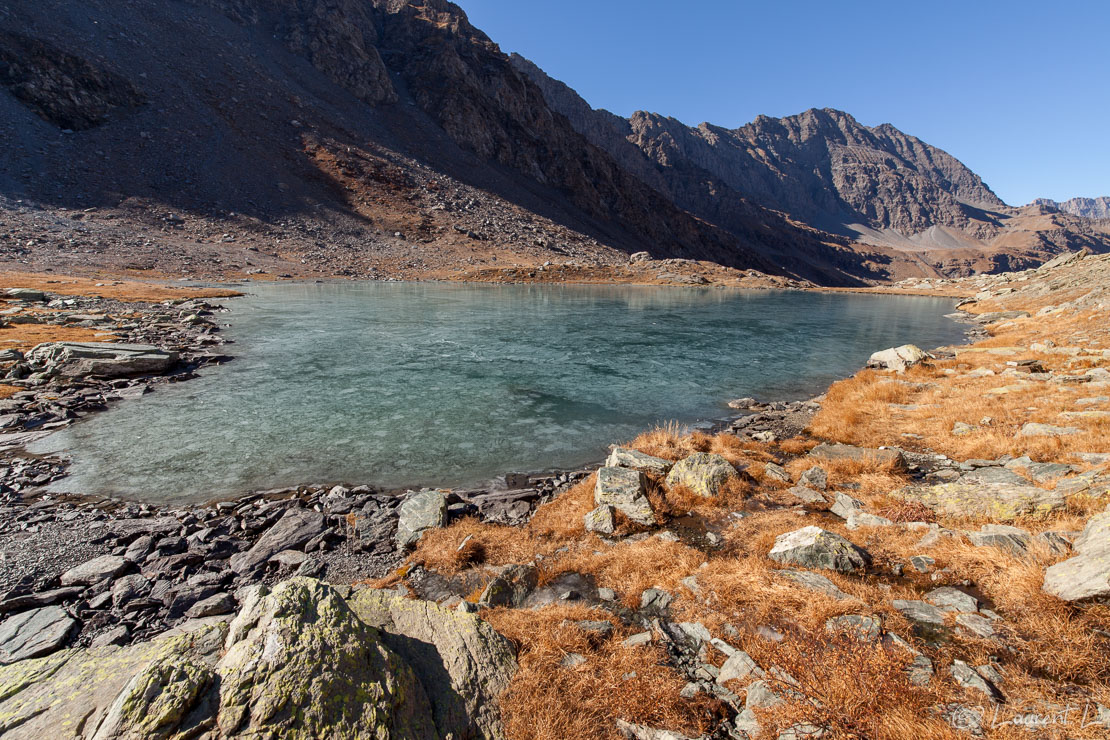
(297, 662)
(1002, 500)
(703, 473)
(813, 547)
(600, 520)
(625, 457)
(463, 663)
(626, 491)
(851, 453)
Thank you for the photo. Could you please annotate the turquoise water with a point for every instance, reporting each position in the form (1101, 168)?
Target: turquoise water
(428, 384)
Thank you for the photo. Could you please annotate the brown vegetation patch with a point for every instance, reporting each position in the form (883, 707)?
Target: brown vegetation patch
(26, 336)
(550, 701)
(120, 290)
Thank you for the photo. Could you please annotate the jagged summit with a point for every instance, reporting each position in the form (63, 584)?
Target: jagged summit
(1094, 208)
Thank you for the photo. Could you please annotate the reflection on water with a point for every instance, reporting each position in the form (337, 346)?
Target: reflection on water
(426, 384)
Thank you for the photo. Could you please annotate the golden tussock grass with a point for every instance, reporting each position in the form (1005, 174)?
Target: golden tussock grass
(7, 391)
(858, 411)
(562, 519)
(549, 701)
(861, 689)
(25, 336)
(121, 290)
(629, 568)
(489, 544)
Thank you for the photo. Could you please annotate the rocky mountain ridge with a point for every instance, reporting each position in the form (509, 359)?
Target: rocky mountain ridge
(1095, 208)
(823, 168)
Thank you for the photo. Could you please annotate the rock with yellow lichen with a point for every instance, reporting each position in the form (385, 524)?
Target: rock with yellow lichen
(299, 661)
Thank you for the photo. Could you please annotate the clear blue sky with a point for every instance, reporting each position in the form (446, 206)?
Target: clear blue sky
(1019, 90)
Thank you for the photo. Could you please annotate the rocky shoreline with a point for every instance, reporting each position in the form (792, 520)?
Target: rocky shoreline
(104, 575)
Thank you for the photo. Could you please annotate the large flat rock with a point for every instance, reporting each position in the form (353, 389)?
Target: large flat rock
(34, 633)
(1086, 576)
(103, 359)
(294, 529)
(990, 493)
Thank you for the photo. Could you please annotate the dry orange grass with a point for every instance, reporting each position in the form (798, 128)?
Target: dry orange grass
(7, 391)
(858, 411)
(629, 568)
(490, 544)
(25, 336)
(122, 290)
(549, 701)
(861, 689)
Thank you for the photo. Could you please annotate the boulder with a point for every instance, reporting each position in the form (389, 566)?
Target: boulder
(703, 473)
(94, 571)
(920, 612)
(34, 633)
(294, 529)
(462, 662)
(898, 358)
(951, 599)
(739, 667)
(845, 506)
(625, 457)
(815, 477)
(419, 513)
(626, 491)
(297, 661)
(813, 547)
(601, 520)
(1086, 576)
(25, 294)
(103, 359)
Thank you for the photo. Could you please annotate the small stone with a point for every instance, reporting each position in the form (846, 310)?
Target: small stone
(213, 606)
(641, 638)
(573, 660)
(1047, 430)
(625, 457)
(976, 624)
(815, 477)
(920, 612)
(952, 600)
(923, 563)
(772, 471)
(844, 506)
(813, 547)
(655, 600)
(968, 677)
(739, 667)
(858, 625)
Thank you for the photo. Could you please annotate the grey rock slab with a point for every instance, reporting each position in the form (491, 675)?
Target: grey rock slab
(968, 677)
(776, 472)
(920, 612)
(1012, 539)
(94, 571)
(34, 633)
(213, 606)
(1087, 575)
(655, 600)
(951, 599)
(418, 513)
(625, 457)
(103, 359)
(1001, 501)
(626, 491)
(739, 667)
(1047, 430)
(844, 506)
(864, 519)
(815, 477)
(813, 582)
(806, 495)
(639, 732)
(976, 624)
(463, 663)
(703, 473)
(813, 547)
(292, 530)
